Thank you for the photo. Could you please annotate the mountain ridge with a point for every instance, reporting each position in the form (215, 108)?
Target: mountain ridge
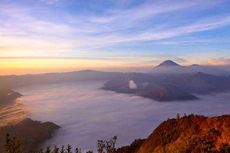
(184, 84)
(187, 134)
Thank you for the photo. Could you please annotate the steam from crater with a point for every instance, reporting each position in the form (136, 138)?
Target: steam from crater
(132, 84)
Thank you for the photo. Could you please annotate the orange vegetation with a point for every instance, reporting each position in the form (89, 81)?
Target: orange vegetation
(189, 134)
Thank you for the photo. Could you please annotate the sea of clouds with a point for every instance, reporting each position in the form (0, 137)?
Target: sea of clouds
(87, 113)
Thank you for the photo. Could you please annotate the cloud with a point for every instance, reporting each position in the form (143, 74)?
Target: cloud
(26, 29)
(50, 1)
(219, 61)
(156, 35)
(121, 19)
(132, 84)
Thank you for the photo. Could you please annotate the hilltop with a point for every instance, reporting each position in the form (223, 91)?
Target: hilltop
(188, 134)
(168, 63)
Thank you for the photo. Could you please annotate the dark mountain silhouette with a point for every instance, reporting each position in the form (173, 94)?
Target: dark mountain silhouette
(166, 93)
(189, 134)
(7, 96)
(170, 67)
(168, 63)
(187, 80)
(199, 83)
(186, 84)
(214, 70)
(167, 67)
(37, 79)
(30, 134)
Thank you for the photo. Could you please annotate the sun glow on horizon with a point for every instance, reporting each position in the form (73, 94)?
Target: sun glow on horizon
(121, 28)
(18, 66)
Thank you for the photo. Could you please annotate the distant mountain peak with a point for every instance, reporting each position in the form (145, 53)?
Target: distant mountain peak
(168, 63)
(195, 65)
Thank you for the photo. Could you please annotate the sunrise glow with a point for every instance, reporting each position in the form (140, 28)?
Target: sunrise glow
(59, 35)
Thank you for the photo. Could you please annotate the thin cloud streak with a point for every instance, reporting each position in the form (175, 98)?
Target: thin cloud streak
(24, 33)
(152, 35)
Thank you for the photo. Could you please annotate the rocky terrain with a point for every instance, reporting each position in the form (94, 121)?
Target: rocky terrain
(187, 134)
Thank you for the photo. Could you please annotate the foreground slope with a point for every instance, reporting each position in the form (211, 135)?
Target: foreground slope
(13, 121)
(189, 134)
(30, 134)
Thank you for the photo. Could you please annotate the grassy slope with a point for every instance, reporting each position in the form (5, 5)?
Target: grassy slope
(189, 134)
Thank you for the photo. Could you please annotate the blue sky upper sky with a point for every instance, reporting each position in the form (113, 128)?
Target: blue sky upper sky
(141, 30)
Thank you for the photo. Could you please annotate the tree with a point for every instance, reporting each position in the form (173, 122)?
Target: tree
(100, 146)
(108, 145)
(104, 146)
(62, 149)
(69, 148)
(12, 145)
(56, 149)
(177, 116)
(48, 150)
(78, 150)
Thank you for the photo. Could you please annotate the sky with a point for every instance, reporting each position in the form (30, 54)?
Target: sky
(65, 35)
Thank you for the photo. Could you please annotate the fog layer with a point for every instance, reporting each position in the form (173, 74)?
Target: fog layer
(87, 113)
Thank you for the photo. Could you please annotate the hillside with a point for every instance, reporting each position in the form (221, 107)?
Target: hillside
(165, 92)
(7, 96)
(189, 134)
(171, 67)
(30, 134)
(185, 85)
(47, 78)
(13, 121)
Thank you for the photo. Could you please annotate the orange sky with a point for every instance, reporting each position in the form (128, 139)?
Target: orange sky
(105, 41)
(9, 66)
